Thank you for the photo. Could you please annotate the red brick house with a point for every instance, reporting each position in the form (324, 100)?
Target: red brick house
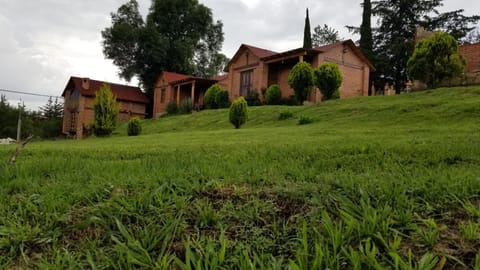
(79, 94)
(253, 68)
(177, 87)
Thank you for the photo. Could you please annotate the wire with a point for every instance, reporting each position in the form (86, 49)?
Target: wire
(28, 93)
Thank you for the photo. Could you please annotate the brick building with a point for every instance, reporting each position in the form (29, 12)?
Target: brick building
(79, 94)
(471, 53)
(253, 68)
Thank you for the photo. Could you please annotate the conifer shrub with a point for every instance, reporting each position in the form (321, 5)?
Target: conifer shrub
(210, 98)
(105, 109)
(172, 107)
(273, 95)
(238, 112)
(300, 79)
(134, 127)
(222, 99)
(328, 79)
(186, 106)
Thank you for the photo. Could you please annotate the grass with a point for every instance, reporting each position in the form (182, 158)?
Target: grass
(371, 183)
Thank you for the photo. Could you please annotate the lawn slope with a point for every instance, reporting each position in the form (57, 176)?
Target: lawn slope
(372, 183)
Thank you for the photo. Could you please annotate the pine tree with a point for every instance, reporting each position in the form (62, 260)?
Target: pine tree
(105, 112)
(366, 39)
(307, 36)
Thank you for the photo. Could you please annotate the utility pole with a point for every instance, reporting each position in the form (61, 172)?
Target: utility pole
(19, 126)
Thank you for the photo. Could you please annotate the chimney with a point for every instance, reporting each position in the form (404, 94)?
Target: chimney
(86, 83)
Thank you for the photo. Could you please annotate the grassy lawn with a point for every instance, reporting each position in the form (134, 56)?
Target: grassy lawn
(372, 183)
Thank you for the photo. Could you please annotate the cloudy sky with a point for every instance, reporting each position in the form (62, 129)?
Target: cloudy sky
(44, 42)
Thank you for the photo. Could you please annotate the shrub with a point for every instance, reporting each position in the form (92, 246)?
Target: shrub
(186, 106)
(105, 109)
(238, 112)
(436, 59)
(253, 98)
(301, 80)
(304, 120)
(210, 97)
(328, 79)
(222, 99)
(273, 96)
(290, 101)
(285, 115)
(134, 127)
(172, 107)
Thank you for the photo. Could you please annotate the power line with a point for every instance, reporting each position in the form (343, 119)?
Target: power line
(28, 93)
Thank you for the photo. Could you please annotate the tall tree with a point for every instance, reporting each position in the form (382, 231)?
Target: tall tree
(366, 39)
(397, 22)
(324, 35)
(307, 35)
(178, 36)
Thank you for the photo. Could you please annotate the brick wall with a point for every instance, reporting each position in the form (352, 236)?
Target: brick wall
(471, 52)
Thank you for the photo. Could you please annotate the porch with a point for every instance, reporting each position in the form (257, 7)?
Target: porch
(191, 88)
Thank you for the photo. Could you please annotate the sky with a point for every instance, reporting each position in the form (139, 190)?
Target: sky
(44, 42)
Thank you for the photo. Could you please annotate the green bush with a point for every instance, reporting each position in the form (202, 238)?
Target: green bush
(186, 106)
(301, 80)
(328, 79)
(238, 112)
(304, 120)
(285, 115)
(273, 96)
(134, 127)
(105, 109)
(253, 98)
(222, 99)
(290, 101)
(172, 107)
(210, 98)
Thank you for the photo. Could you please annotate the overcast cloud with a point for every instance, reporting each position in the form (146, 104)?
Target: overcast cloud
(44, 42)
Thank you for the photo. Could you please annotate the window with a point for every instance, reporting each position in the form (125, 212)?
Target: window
(246, 82)
(162, 95)
(73, 121)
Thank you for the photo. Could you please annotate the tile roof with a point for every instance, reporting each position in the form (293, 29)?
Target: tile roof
(173, 77)
(120, 91)
(259, 52)
(220, 77)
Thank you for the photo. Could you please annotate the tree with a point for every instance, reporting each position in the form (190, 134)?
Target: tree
(301, 80)
(51, 126)
(394, 40)
(105, 112)
(366, 38)
(472, 37)
(178, 36)
(307, 35)
(436, 59)
(324, 35)
(328, 78)
(238, 113)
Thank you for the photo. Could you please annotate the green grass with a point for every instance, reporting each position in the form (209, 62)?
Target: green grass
(371, 183)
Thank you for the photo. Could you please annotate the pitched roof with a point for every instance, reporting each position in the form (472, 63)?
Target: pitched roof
(172, 76)
(120, 91)
(258, 52)
(219, 77)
